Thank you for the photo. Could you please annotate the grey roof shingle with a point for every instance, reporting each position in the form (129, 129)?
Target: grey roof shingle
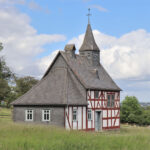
(57, 88)
(92, 77)
(61, 86)
(53, 88)
(89, 41)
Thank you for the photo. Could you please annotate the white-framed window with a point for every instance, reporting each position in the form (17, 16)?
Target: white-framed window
(89, 114)
(29, 115)
(74, 115)
(46, 115)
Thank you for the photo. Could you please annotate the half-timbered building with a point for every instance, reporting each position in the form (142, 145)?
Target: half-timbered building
(75, 92)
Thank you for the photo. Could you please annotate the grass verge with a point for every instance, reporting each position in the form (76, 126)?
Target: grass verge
(19, 136)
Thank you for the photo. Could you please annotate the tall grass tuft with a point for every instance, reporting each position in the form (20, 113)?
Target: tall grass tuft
(19, 136)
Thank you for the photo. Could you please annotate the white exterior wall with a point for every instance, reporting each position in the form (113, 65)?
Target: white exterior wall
(110, 116)
(80, 123)
(84, 117)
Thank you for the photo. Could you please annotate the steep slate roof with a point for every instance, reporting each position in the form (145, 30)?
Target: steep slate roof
(89, 41)
(57, 88)
(60, 87)
(92, 77)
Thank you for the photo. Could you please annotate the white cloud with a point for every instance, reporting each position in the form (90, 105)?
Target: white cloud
(35, 6)
(124, 57)
(31, 4)
(99, 8)
(46, 61)
(12, 2)
(22, 44)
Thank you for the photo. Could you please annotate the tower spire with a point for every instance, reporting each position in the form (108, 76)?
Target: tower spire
(89, 47)
(89, 41)
(89, 15)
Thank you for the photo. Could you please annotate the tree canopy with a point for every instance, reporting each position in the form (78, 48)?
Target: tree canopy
(23, 84)
(8, 91)
(132, 112)
(5, 76)
(1, 47)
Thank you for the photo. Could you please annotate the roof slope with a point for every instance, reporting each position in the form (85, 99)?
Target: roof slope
(92, 77)
(89, 41)
(57, 88)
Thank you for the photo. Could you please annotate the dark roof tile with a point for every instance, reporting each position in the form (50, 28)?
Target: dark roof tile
(89, 41)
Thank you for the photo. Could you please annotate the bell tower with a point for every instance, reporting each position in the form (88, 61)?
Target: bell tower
(89, 47)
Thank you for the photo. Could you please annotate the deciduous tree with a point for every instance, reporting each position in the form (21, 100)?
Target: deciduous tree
(130, 110)
(24, 84)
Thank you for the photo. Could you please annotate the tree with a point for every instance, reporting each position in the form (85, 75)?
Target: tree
(4, 89)
(144, 119)
(5, 72)
(131, 110)
(8, 91)
(24, 84)
(5, 76)
(1, 47)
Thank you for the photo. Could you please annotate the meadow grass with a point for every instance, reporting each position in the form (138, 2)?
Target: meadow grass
(19, 136)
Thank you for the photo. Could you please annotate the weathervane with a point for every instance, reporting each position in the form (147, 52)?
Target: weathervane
(89, 16)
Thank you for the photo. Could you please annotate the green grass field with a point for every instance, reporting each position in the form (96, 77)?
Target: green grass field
(16, 136)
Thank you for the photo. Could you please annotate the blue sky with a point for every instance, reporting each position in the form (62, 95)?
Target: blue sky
(68, 17)
(36, 30)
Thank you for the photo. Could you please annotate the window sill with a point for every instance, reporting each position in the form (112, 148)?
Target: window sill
(45, 120)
